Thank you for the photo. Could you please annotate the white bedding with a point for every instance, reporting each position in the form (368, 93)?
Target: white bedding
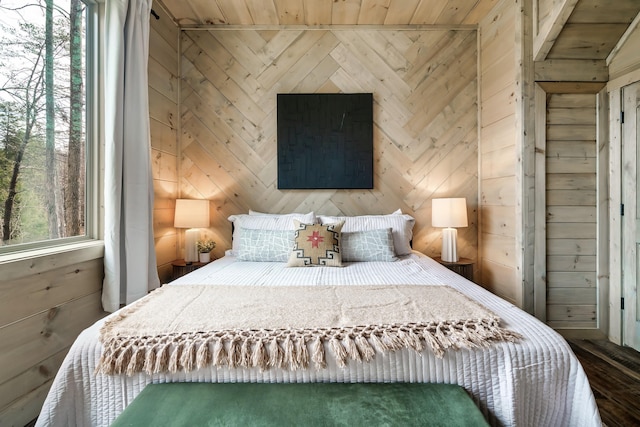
(536, 382)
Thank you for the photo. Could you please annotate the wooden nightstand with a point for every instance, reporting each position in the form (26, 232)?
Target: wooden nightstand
(464, 267)
(180, 267)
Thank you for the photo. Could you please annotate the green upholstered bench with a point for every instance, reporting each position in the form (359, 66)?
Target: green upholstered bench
(308, 404)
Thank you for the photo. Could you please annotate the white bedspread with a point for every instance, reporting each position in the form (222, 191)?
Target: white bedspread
(536, 382)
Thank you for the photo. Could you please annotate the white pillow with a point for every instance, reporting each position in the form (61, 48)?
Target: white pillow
(401, 226)
(265, 222)
(255, 213)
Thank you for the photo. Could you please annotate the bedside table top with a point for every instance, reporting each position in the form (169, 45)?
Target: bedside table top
(183, 263)
(461, 261)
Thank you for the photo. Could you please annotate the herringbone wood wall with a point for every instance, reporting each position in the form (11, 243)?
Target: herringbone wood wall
(424, 85)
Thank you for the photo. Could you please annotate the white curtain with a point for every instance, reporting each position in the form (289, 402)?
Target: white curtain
(129, 260)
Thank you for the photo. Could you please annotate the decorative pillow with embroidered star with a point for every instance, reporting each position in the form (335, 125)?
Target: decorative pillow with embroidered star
(316, 244)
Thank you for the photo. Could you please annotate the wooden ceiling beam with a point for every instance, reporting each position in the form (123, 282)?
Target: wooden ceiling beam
(572, 87)
(548, 33)
(573, 70)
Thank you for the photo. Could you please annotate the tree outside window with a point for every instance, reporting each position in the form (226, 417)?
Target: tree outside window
(42, 120)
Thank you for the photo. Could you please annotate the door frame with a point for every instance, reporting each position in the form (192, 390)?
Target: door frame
(629, 180)
(614, 87)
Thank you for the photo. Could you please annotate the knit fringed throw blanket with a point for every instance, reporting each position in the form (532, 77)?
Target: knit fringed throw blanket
(187, 327)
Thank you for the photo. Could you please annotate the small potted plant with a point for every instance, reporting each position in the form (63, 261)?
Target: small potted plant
(204, 249)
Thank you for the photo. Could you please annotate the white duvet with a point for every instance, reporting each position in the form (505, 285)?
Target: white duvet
(536, 382)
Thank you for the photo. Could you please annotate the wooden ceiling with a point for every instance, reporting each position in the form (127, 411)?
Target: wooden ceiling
(593, 29)
(568, 29)
(197, 13)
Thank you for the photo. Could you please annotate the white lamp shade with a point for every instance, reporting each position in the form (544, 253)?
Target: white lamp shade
(191, 213)
(449, 212)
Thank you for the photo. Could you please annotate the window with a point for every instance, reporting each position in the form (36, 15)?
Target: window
(47, 142)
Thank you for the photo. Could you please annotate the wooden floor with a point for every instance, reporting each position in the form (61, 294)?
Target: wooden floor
(614, 375)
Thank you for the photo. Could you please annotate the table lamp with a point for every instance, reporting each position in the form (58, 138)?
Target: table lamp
(192, 215)
(449, 213)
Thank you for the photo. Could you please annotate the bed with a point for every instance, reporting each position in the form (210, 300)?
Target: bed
(533, 381)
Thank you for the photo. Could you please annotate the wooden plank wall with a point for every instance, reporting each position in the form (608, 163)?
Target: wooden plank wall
(571, 201)
(163, 111)
(497, 151)
(627, 58)
(45, 302)
(425, 120)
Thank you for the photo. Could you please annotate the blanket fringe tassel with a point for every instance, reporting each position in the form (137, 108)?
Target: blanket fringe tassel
(290, 349)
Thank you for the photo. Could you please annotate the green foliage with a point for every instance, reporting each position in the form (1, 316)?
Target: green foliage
(33, 213)
(29, 214)
(205, 245)
(22, 120)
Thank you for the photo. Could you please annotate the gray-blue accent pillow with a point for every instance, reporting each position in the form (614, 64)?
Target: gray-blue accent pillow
(368, 245)
(264, 245)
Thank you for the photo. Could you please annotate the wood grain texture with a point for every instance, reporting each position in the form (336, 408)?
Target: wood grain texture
(603, 270)
(571, 205)
(587, 41)
(614, 218)
(45, 290)
(627, 57)
(550, 19)
(425, 120)
(327, 12)
(44, 303)
(163, 110)
(540, 199)
(31, 379)
(498, 133)
(581, 70)
(613, 374)
(37, 337)
(580, 29)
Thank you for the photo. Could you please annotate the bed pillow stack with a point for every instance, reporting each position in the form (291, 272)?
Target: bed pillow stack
(276, 238)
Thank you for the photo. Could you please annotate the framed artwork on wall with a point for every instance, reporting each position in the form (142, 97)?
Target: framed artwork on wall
(325, 141)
